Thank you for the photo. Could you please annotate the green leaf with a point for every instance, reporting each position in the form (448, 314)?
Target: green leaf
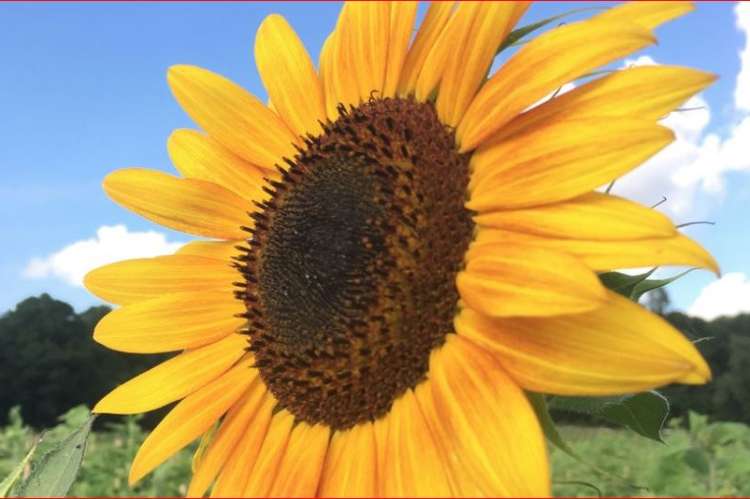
(623, 284)
(56, 471)
(697, 422)
(549, 428)
(725, 433)
(589, 485)
(11, 479)
(644, 413)
(515, 36)
(698, 460)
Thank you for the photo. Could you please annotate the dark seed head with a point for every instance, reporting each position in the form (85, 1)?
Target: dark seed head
(350, 281)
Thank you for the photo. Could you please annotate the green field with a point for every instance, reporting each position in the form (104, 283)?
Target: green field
(697, 459)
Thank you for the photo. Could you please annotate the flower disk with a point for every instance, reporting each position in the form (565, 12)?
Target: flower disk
(350, 272)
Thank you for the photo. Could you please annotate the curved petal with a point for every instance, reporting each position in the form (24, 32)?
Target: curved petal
(647, 14)
(619, 348)
(131, 281)
(200, 157)
(350, 466)
(171, 322)
(327, 63)
(218, 250)
(363, 44)
(435, 20)
(236, 471)
(175, 378)
(484, 25)
(488, 434)
(344, 86)
(594, 216)
(301, 465)
(517, 280)
(643, 92)
(403, 14)
(542, 65)
(232, 116)
(560, 161)
(188, 205)
(289, 76)
(243, 419)
(412, 467)
(438, 54)
(267, 464)
(192, 417)
(607, 255)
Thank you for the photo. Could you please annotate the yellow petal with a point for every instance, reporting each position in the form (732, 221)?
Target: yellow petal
(175, 378)
(543, 65)
(272, 451)
(488, 434)
(516, 280)
(193, 416)
(289, 76)
(435, 20)
(647, 14)
(232, 116)
(217, 250)
(140, 279)
(365, 33)
(618, 348)
(433, 67)
(171, 322)
(350, 467)
(645, 92)
(403, 14)
(412, 466)
(561, 161)
(327, 62)
(200, 157)
(344, 85)
(484, 25)
(236, 471)
(300, 468)
(380, 432)
(592, 216)
(242, 426)
(188, 205)
(607, 255)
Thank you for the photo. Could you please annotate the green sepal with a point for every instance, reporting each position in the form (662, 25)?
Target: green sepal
(650, 284)
(515, 36)
(635, 286)
(549, 428)
(644, 413)
(623, 284)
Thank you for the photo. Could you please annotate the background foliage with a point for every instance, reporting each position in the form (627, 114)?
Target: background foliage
(49, 366)
(699, 458)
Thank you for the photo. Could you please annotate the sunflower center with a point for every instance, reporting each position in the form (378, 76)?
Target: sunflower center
(350, 271)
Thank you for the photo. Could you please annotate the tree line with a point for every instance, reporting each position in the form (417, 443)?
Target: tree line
(49, 362)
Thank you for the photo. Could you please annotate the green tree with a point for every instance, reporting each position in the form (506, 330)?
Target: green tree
(49, 362)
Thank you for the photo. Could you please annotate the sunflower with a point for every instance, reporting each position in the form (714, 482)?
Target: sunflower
(395, 248)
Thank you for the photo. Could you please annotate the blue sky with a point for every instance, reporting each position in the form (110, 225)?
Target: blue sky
(83, 91)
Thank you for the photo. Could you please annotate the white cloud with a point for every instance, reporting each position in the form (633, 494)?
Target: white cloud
(112, 243)
(690, 171)
(730, 295)
(742, 89)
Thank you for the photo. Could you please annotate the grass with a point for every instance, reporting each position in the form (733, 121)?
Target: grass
(697, 459)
